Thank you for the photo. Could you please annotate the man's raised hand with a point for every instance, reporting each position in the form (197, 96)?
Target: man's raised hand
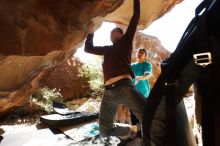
(91, 27)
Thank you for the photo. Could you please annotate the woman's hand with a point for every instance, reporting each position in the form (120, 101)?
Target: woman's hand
(137, 79)
(144, 77)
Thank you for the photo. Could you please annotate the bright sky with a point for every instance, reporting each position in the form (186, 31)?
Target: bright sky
(172, 25)
(168, 29)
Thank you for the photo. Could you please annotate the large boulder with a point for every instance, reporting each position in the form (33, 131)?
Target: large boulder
(68, 79)
(20, 76)
(38, 35)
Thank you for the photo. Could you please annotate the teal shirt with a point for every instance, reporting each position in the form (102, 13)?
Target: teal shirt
(140, 69)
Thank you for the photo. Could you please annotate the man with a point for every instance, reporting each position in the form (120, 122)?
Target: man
(117, 77)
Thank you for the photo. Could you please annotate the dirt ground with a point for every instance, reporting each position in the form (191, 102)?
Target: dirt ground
(24, 128)
(17, 124)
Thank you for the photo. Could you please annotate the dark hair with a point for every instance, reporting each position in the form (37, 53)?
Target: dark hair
(118, 29)
(144, 50)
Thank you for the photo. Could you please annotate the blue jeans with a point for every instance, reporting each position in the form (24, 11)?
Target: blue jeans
(125, 94)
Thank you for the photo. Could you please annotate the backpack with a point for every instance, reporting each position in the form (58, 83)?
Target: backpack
(196, 60)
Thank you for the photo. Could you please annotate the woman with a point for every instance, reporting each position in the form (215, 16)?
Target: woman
(142, 71)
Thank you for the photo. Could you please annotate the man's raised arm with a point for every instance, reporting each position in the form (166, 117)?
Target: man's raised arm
(134, 20)
(89, 47)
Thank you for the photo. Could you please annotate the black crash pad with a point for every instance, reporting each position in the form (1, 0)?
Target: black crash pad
(59, 120)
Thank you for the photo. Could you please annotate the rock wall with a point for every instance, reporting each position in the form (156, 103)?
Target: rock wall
(37, 27)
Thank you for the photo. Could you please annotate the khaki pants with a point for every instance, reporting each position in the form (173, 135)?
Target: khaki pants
(127, 95)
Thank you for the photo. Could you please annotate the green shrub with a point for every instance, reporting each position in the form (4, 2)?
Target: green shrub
(45, 97)
(93, 70)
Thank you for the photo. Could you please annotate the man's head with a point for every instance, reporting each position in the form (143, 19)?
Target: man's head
(116, 34)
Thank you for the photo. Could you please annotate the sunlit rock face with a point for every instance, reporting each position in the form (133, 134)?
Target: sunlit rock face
(31, 30)
(150, 11)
